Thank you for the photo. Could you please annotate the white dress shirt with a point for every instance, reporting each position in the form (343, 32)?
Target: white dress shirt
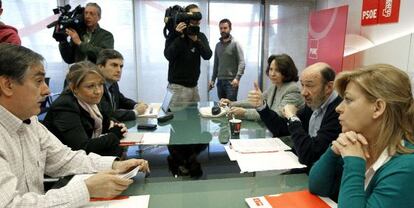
(27, 152)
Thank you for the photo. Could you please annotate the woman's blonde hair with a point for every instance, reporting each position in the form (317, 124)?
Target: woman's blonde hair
(78, 71)
(392, 85)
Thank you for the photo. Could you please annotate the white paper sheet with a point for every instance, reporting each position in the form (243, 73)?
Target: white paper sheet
(152, 111)
(132, 201)
(258, 145)
(231, 153)
(268, 161)
(135, 138)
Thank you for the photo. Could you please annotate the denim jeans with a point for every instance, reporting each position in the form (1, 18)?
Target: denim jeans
(225, 90)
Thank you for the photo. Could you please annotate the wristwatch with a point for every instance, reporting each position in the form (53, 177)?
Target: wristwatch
(292, 119)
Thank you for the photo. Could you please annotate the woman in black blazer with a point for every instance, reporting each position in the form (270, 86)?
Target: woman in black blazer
(75, 117)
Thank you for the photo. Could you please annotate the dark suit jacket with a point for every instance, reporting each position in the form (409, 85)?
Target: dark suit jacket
(69, 122)
(307, 148)
(123, 105)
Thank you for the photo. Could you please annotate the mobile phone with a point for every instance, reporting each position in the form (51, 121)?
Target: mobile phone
(147, 126)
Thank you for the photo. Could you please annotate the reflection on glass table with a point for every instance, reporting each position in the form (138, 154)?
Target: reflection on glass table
(196, 144)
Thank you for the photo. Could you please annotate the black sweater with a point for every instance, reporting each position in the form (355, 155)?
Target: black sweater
(70, 123)
(183, 55)
(307, 148)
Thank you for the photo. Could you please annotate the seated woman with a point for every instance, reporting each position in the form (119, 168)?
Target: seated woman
(75, 118)
(372, 161)
(283, 74)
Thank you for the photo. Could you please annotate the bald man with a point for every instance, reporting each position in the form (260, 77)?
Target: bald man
(313, 127)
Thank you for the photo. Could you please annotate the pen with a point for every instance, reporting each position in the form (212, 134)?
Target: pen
(94, 199)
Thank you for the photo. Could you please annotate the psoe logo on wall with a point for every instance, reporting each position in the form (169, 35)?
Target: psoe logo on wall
(380, 11)
(313, 49)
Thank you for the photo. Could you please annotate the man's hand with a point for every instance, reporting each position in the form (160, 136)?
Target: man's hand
(255, 96)
(180, 28)
(238, 112)
(235, 83)
(140, 108)
(289, 110)
(210, 85)
(106, 185)
(127, 165)
(73, 35)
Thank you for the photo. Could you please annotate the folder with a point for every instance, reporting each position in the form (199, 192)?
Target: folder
(297, 199)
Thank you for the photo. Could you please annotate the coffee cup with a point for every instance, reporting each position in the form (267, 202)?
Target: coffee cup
(235, 126)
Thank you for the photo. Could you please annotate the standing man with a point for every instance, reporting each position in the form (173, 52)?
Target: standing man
(8, 34)
(113, 102)
(228, 64)
(312, 128)
(28, 150)
(183, 51)
(86, 46)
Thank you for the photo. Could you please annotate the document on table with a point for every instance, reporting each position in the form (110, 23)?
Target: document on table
(268, 161)
(258, 145)
(152, 111)
(151, 138)
(121, 202)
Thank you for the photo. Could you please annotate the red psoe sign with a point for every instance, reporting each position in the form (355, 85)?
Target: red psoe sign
(380, 11)
(369, 14)
(389, 11)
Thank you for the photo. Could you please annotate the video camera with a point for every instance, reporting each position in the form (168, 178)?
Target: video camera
(176, 14)
(68, 19)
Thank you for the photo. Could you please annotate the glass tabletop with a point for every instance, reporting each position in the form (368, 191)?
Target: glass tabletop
(196, 147)
(215, 193)
(189, 127)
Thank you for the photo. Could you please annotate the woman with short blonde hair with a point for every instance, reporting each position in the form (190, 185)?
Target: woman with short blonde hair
(75, 117)
(373, 156)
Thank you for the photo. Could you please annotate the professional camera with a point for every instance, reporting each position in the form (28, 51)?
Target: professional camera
(176, 14)
(68, 19)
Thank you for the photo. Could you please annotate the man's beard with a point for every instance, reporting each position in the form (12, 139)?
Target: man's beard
(225, 35)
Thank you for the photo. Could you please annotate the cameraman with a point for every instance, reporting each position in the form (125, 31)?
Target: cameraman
(86, 45)
(183, 51)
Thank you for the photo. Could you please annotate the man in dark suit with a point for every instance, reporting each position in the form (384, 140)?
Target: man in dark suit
(113, 102)
(315, 126)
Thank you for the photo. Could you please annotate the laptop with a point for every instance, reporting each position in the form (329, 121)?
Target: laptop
(165, 113)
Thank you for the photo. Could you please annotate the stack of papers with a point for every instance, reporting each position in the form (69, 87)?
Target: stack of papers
(152, 111)
(302, 199)
(266, 154)
(135, 138)
(258, 145)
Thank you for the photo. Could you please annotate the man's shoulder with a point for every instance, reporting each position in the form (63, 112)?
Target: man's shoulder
(100, 30)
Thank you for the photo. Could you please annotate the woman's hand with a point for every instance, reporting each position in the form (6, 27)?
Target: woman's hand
(237, 112)
(351, 144)
(225, 102)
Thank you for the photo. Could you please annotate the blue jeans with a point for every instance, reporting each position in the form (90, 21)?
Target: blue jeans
(225, 90)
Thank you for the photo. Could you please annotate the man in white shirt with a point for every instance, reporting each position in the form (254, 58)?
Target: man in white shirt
(28, 150)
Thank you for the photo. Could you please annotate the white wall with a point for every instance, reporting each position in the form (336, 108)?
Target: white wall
(390, 43)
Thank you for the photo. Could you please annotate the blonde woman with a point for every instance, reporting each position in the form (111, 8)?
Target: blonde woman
(75, 118)
(372, 160)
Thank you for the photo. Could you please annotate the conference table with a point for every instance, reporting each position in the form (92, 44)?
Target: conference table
(202, 139)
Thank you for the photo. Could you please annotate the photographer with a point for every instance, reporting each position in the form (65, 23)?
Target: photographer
(183, 50)
(86, 45)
